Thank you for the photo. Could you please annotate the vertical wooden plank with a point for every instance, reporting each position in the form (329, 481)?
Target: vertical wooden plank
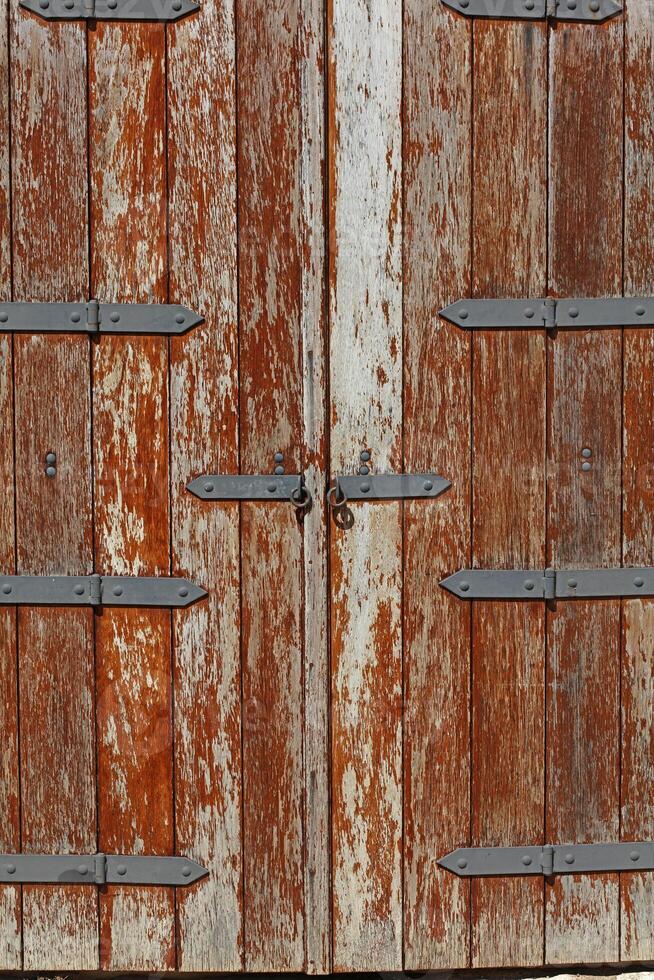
(365, 272)
(204, 439)
(436, 264)
(53, 516)
(132, 522)
(509, 241)
(10, 908)
(313, 326)
(271, 537)
(584, 384)
(637, 812)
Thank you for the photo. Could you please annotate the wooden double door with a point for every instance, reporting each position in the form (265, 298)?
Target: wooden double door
(318, 178)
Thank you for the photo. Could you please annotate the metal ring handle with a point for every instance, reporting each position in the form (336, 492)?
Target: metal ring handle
(336, 502)
(301, 498)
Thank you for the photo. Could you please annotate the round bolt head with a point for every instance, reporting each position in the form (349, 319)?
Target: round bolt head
(117, 590)
(75, 317)
(364, 456)
(529, 585)
(586, 467)
(279, 471)
(82, 869)
(44, 4)
(177, 5)
(594, 6)
(79, 590)
(429, 485)
(569, 858)
(462, 863)
(365, 488)
(463, 315)
(586, 452)
(279, 457)
(121, 869)
(186, 871)
(634, 855)
(208, 488)
(465, 586)
(115, 317)
(526, 860)
(4, 317)
(529, 311)
(183, 592)
(640, 310)
(638, 582)
(6, 589)
(364, 470)
(180, 318)
(574, 310)
(572, 4)
(572, 583)
(51, 458)
(10, 869)
(50, 471)
(68, 4)
(272, 488)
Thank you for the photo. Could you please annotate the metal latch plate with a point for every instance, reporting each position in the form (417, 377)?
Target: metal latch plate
(111, 869)
(113, 318)
(236, 487)
(564, 10)
(90, 590)
(145, 10)
(576, 313)
(390, 486)
(561, 859)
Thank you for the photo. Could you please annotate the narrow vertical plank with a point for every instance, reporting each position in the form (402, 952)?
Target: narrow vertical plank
(637, 770)
(509, 241)
(271, 538)
(10, 908)
(584, 382)
(204, 439)
(436, 264)
(365, 273)
(313, 326)
(53, 516)
(130, 413)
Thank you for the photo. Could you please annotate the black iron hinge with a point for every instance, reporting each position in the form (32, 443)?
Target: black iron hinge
(97, 590)
(385, 486)
(590, 11)
(570, 583)
(274, 487)
(97, 318)
(143, 10)
(485, 862)
(549, 314)
(99, 869)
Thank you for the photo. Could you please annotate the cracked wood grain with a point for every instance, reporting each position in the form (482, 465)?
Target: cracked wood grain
(584, 379)
(436, 266)
(52, 384)
(270, 396)
(204, 439)
(130, 416)
(637, 813)
(365, 278)
(509, 241)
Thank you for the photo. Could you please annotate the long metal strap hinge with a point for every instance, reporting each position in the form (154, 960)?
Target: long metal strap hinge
(484, 862)
(99, 869)
(386, 486)
(143, 10)
(536, 314)
(97, 318)
(575, 583)
(593, 11)
(97, 590)
(277, 486)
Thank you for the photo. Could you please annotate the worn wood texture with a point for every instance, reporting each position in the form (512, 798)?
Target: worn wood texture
(365, 273)
(270, 398)
(204, 439)
(436, 270)
(584, 383)
(10, 907)
(53, 516)
(509, 240)
(313, 327)
(637, 812)
(132, 523)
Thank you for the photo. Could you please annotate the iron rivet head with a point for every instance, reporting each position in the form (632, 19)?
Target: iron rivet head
(82, 869)
(635, 855)
(44, 4)
(112, 4)
(586, 467)
(183, 592)
(586, 452)
(364, 470)
(529, 585)
(121, 869)
(177, 5)
(208, 488)
(572, 4)
(51, 458)
(179, 318)
(529, 312)
(465, 586)
(594, 6)
(4, 317)
(526, 860)
(50, 471)
(638, 582)
(569, 858)
(279, 457)
(529, 5)
(429, 486)
(279, 471)
(6, 589)
(365, 456)
(11, 869)
(115, 317)
(272, 488)
(75, 317)
(572, 583)
(574, 310)
(463, 315)
(79, 590)
(186, 871)
(68, 4)
(640, 310)
(365, 488)
(118, 590)
(462, 863)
